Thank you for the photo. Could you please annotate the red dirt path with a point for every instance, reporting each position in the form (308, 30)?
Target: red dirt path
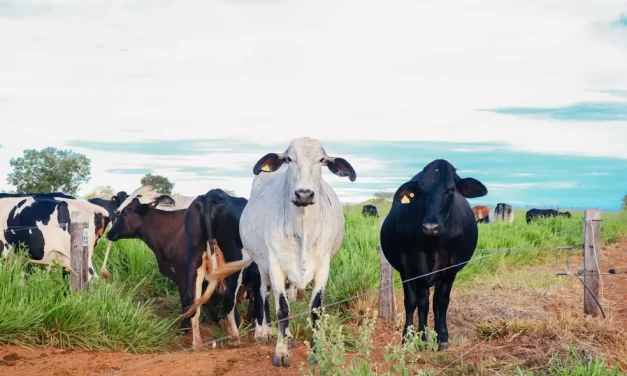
(245, 361)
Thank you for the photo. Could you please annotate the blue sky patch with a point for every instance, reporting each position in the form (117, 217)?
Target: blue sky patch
(584, 111)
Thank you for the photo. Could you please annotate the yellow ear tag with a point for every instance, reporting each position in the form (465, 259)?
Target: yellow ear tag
(404, 200)
(265, 168)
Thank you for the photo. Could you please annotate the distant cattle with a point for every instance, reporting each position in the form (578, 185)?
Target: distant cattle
(369, 210)
(164, 233)
(481, 213)
(431, 229)
(110, 205)
(536, 213)
(214, 218)
(146, 194)
(42, 223)
(501, 213)
(292, 227)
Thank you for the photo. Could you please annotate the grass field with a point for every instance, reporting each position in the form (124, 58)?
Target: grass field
(122, 313)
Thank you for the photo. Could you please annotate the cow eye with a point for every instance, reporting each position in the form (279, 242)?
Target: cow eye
(288, 159)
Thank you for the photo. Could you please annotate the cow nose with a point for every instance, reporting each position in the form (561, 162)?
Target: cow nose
(303, 197)
(430, 228)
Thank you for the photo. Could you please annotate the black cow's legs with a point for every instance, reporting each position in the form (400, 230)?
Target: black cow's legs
(411, 301)
(441, 298)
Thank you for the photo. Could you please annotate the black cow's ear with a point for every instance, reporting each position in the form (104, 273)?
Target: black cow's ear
(471, 188)
(269, 163)
(406, 192)
(340, 167)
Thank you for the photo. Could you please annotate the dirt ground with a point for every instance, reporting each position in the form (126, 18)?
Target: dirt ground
(252, 359)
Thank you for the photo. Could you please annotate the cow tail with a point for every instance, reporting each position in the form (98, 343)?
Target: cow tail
(103, 270)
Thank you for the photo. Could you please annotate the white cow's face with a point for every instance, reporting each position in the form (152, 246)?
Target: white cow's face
(145, 194)
(304, 158)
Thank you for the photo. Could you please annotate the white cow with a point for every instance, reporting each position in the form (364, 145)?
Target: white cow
(501, 213)
(292, 226)
(147, 194)
(42, 224)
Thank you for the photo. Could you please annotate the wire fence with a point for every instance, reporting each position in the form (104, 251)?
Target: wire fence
(489, 253)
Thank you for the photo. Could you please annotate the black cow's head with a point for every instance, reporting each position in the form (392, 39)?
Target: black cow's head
(431, 197)
(118, 199)
(131, 219)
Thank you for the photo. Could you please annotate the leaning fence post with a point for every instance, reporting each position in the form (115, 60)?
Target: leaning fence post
(386, 284)
(591, 261)
(79, 240)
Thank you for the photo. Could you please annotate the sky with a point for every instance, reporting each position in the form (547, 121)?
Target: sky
(530, 97)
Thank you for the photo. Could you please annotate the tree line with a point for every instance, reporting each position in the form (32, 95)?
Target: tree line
(63, 170)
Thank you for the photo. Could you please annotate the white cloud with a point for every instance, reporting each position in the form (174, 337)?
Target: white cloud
(274, 70)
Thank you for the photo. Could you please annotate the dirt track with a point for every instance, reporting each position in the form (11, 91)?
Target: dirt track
(250, 359)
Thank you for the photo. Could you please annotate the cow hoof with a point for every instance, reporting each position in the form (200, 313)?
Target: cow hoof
(281, 360)
(443, 346)
(291, 343)
(235, 342)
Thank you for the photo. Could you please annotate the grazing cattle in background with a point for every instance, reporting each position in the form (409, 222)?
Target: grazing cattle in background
(43, 225)
(501, 213)
(292, 226)
(110, 205)
(537, 213)
(369, 210)
(431, 227)
(146, 194)
(164, 233)
(481, 213)
(215, 216)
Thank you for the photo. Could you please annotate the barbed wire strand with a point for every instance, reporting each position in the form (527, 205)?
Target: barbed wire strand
(291, 317)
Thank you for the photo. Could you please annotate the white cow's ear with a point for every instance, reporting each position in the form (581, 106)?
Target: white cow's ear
(164, 200)
(340, 167)
(269, 163)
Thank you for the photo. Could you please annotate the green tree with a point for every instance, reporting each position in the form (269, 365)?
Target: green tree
(104, 191)
(49, 170)
(161, 183)
(385, 195)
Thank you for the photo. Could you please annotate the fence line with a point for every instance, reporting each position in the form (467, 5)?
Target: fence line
(358, 296)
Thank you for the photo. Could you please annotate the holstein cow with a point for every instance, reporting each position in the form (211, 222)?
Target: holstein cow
(164, 233)
(537, 213)
(369, 210)
(429, 228)
(146, 194)
(501, 212)
(481, 213)
(215, 218)
(292, 226)
(43, 225)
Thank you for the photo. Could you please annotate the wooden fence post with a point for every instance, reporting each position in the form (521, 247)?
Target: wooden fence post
(79, 240)
(591, 261)
(387, 308)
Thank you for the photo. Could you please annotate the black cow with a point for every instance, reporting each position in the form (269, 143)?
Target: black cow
(42, 223)
(369, 210)
(537, 213)
(164, 233)
(431, 227)
(216, 216)
(38, 195)
(111, 205)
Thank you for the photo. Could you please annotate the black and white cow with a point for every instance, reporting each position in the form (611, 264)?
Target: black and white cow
(431, 227)
(501, 212)
(42, 223)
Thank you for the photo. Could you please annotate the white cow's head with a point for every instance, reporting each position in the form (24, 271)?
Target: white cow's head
(304, 158)
(145, 194)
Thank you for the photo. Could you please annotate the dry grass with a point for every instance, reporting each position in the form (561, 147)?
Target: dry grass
(537, 315)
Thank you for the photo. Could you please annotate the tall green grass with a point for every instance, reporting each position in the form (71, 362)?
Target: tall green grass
(37, 307)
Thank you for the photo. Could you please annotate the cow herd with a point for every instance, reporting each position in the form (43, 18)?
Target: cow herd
(219, 249)
(505, 213)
